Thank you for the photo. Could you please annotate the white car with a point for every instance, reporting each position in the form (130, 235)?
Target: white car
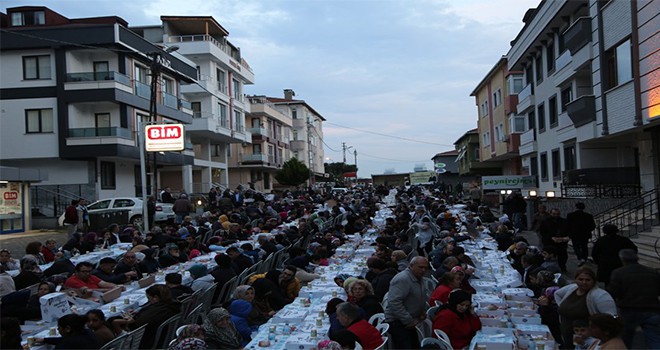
(133, 205)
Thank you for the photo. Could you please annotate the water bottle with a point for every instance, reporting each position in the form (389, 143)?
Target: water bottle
(271, 334)
(310, 297)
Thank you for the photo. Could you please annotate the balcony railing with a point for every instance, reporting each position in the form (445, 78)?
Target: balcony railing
(98, 76)
(257, 131)
(223, 88)
(526, 92)
(224, 123)
(257, 157)
(143, 90)
(578, 34)
(203, 37)
(99, 132)
(528, 136)
(185, 104)
(170, 100)
(582, 110)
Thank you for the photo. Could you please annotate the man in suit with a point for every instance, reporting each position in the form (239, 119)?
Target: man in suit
(237, 198)
(554, 231)
(580, 225)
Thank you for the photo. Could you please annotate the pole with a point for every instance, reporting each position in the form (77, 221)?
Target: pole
(143, 176)
(355, 155)
(310, 157)
(153, 112)
(343, 148)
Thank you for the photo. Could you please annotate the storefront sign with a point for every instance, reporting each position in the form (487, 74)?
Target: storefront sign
(507, 182)
(167, 137)
(421, 177)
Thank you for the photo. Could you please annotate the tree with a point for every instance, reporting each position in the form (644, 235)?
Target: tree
(293, 173)
(338, 169)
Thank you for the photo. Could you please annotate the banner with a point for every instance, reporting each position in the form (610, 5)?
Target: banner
(508, 182)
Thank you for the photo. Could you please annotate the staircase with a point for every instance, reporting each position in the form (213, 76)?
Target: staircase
(639, 220)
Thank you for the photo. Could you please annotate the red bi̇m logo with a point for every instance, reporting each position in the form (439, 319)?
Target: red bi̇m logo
(165, 132)
(10, 195)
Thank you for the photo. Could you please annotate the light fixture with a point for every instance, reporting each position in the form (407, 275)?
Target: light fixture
(532, 193)
(502, 192)
(550, 194)
(199, 202)
(509, 191)
(4, 182)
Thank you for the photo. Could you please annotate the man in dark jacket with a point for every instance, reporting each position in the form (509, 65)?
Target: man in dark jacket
(104, 272)
(635, 288)
(381, 282)
(554, 231)
(182, 208)
(606, 251)
(223, 272)
(580, 225)
(129, 266)
(239, 260)
(177, 290)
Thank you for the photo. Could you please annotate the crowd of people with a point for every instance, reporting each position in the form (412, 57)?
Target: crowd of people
(420, 242)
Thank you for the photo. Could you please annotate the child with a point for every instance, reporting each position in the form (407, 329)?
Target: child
(582, 338)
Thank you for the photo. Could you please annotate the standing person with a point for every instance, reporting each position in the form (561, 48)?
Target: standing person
(580, 300)
(151, 210)
(406, 306)
(554, 231)
(71, 218)
(580, 225)
(636, 288)
(605, 251)
(237, 198)
(540, 216)
(182, 208)
(518, 207)
(166, 196)
(83, 215)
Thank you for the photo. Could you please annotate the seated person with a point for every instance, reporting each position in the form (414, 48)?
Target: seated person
(129, 266)
(172, 256)
(85, 281)
(349, 316)
(74, 334)
(178, 291)
(457, 320)
(104, 272)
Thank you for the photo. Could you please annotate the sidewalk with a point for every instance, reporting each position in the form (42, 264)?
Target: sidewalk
(16, 242)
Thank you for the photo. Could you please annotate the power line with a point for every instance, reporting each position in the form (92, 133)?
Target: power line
(322, 140)
(392, 136)
(393, 160)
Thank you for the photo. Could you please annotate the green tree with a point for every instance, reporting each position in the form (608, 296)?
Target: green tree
(337, 170)
(293, 173)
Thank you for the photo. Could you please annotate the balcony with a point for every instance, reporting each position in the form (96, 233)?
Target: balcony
(258, 131)
(525, 99)
(170, 100)
(99, 132)
(582, 110)
(98, 76)
(578, 34)
(527, 142)
(100, 136)
(143, 90)
(257, 157)
(185, 104)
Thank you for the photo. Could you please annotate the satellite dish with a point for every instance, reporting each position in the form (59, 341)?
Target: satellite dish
(440, 171)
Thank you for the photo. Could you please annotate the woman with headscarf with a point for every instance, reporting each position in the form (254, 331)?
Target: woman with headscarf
(239, 310)
(545, 281)
(331, 311)
(61, 265)
(33, 309)
(191, 338)
(341, 278)
(30, 274)
(149, 264)
(220, 331)
(256, 317)
(201, 279)
(457, 320)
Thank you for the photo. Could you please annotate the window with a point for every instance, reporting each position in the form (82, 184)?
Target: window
(533, 166)
(529, 74)
(566, 97)
(104, 204)
(102, 124)
(256, 149)
(36, 67)
(556, 165)
(102, 70)
(531, 119)
(484, 108)
(544, 166)
(498, 133)
(38, 121)
(517, 124)
(123, 203)
(295, 135)
(552, 111)
(221, 77)
(236, 86)
(619, 65)
(550, 57)
(570, 162)
(217, 150)
(238, 120)
(266, 180)
(108, 180)
(141, 74)
(295, 155)
(540, 112)
(196, 109)
(497, 98)
(515, 84)
(222, 113)
(486, 138)
(168, 86)
(28, 18)
(294, 114)
(539, 69)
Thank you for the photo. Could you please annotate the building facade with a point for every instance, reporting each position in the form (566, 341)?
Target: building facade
(257, 162)
(590, 99)
(499, 125)
(217, 98)
(74, 92)
(468, 159)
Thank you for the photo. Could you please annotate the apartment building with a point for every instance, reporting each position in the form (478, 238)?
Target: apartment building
(257, 162)
(468, 159)
(73, 93)
(217, 99)
(499, 125)
(307, 130)
(590, 100)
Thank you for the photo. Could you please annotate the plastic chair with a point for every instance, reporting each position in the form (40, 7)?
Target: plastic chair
(383, 328)
(117, 343)
(206, 299)
(377, 319)
(134, 338)
(382, 346)
(441, 335)
(225, 291)
(438, 342)
(165, 331)
(358, 346)
(430, 313)
(193, 316)
(424, 329)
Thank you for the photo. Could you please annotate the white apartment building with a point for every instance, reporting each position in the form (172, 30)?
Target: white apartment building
(217, 99)
(592, 106)
(73, 92)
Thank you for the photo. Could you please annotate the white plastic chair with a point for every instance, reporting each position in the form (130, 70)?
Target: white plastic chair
(358, 346)
(377, 319)
(441, 335)
(382, 346)
(383, 328)
(438, 342)
(430, 313)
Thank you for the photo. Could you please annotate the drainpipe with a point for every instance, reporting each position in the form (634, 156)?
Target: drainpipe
(603, 64)
(635, 65)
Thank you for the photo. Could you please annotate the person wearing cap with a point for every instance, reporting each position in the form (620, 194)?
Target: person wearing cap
(105, 272)
(129, 265)
(201, 278)
(606, 251)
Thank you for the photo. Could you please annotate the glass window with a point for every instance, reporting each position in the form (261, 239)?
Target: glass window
(540, 112)
(619, 65)
(566, 97)
(256, 149)
(570, 161)
(544, 166)
(556, 165)
(104, 204)
(36, 67)
(108, 179)
(38, 121)
(102, 123)
(294, 114)
(123, 203)
(196, 109)
(101, 70)
(539, 69)
(550, 57)
(552, 111)
(533, 166)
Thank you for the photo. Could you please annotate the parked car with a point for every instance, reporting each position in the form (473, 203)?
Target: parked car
(133, 205)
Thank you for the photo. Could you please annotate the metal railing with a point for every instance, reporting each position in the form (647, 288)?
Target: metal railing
(143, 90)
(633, 216)
(204, 37)
(98, 132)
(98, 76)
(601, 190)
(170, 100)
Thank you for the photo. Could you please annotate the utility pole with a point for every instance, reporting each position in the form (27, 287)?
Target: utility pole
(355, 155)
(310, 156)
(343, 148)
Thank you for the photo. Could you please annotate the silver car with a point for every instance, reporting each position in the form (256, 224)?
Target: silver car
(133, 205)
